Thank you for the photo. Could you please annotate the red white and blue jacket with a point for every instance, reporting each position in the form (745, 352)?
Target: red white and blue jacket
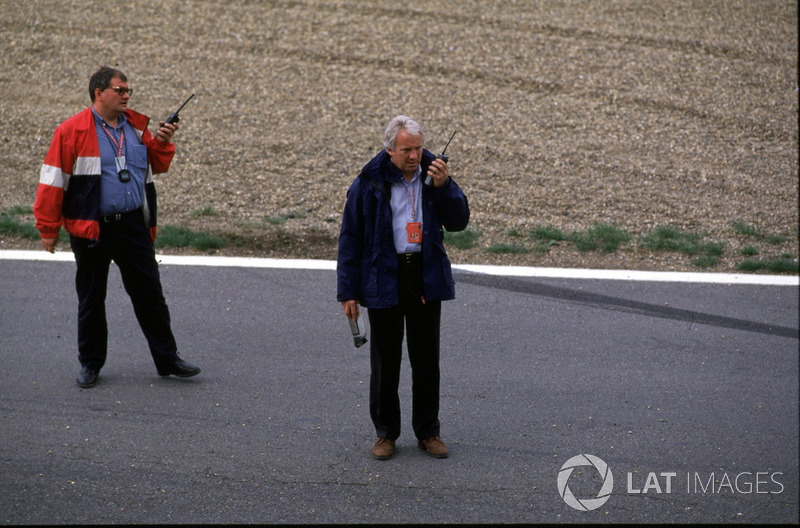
(69, 183)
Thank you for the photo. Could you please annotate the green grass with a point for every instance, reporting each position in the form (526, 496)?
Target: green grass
(605, 237)
(669, 238)
(16, 210)
(547, 233)
(168, 236)
(705, 261)
(783, 264)
(507, 249)
(741, 228)
(545, 237)
(466, 239)
(712, 249)
(13, 227)
(777, 265)
(752, 231)
(173, 236)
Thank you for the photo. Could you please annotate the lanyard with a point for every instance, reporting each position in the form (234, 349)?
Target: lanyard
(119, 144)
(412, 199)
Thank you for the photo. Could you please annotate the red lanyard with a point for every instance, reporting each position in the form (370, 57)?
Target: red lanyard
(113, 139)
(412, 200)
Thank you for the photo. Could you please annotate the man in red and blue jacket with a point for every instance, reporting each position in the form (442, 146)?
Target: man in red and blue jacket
(392, 260)
(97, 182)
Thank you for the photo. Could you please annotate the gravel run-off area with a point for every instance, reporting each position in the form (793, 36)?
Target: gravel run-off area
(570, 114)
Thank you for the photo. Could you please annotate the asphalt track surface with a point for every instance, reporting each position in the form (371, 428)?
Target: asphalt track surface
(687, 391)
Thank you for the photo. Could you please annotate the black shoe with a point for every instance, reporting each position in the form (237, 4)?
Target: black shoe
(180, 368)
(88, 377)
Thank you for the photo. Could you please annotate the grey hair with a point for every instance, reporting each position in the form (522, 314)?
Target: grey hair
(397, 124)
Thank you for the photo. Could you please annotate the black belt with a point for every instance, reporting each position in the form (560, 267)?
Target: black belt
(409, 258)
(116, 217)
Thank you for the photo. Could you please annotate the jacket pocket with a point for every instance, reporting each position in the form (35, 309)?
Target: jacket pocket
(137, 156)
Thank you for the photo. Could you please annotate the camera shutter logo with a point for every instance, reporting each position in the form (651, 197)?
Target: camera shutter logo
(602, 495)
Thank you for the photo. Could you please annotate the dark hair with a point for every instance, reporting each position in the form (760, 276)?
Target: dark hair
(102, 78)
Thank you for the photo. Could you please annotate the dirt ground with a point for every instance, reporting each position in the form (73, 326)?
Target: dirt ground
(569, 114)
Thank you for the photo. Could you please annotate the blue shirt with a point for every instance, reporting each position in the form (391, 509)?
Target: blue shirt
(406, 204)
(117, 196)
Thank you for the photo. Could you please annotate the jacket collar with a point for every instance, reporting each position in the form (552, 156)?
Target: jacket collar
(137, 120)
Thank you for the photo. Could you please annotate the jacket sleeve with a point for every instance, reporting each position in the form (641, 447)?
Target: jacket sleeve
(52, 180)
(348, 263)
(452, 206)
(160, 153)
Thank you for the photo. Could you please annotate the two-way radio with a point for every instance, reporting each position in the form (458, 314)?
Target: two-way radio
(442, 156)
(174, 117)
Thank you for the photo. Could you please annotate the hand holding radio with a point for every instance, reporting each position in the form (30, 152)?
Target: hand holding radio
(166, 131)
(437, 172)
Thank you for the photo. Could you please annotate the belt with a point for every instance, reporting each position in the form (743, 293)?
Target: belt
(409, 258)
(116, 217)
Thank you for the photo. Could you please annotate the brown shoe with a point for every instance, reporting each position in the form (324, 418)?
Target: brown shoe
(383, 449)
(434, 447)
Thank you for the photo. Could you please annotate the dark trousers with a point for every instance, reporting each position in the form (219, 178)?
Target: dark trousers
(127, 242)
(421, 321)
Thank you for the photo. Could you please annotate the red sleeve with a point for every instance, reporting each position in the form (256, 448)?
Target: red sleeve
(160, 153)
(50, 192)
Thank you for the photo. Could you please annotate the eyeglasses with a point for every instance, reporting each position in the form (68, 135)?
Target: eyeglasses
(121, 90)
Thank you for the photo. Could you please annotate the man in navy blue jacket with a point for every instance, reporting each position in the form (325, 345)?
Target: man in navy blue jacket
(393, 262)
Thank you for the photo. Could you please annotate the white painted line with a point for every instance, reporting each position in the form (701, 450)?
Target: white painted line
(505, 271)
(58, 256)
(247, 262)
(179, 260)
(629, 275)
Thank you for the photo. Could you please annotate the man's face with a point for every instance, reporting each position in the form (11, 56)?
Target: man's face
(407, 153)
(110, 99)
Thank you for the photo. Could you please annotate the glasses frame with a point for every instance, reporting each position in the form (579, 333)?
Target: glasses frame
(121, 90)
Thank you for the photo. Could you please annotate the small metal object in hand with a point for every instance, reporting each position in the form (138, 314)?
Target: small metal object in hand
(359, 331)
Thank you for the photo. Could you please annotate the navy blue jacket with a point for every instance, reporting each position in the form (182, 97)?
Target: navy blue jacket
(367, 262)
